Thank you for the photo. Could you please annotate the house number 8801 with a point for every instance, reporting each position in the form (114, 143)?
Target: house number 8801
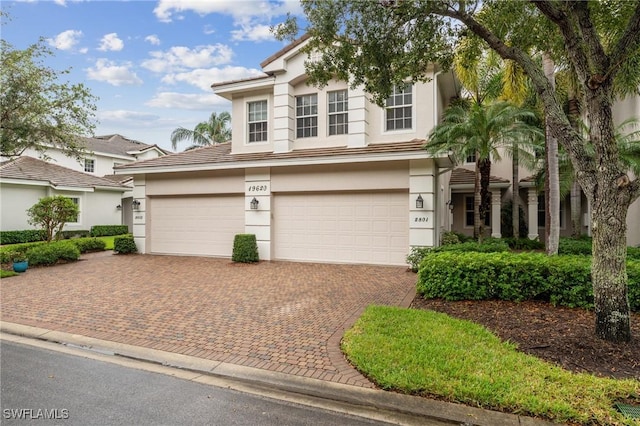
(421, 219)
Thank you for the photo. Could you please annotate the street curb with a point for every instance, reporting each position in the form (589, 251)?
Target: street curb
(363, 397)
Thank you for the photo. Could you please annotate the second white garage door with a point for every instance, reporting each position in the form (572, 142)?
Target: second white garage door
(196, 225)
(342, 227)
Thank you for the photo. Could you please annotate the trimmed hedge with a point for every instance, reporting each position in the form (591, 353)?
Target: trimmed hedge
(417, 254)
(6, 251)
(124, 244)
(25, 236)
(109, 230)
(79, 233)
(50, 254)
(561, 280)
(245, 248)
(89, 244)
(524, 244)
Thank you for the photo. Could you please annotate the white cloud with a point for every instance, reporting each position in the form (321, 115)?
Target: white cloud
(111, 42)
(153, 39)
(60, 2)
(125, 116)
(188, 101)
(180, 58)
(256, 32)
(66, 40)
(208, 29)
(110, 72)
(203, 78)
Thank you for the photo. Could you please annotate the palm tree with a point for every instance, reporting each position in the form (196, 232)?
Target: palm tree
(482, 130)
(210, 132)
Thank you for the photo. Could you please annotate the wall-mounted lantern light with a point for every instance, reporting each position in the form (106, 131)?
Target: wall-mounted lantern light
(254, 203)
(135, 205)
(119, 207)
(419, 202)
(450, 204)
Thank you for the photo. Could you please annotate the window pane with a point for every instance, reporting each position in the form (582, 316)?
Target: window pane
(307, 116)
(399, 108)
(257, 118)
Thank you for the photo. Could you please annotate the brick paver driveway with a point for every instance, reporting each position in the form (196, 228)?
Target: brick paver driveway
(279, 316)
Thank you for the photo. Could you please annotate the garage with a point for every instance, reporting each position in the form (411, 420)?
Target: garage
(345, 227)
(195, 225)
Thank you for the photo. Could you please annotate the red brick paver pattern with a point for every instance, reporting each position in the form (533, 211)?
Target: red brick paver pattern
(279, 316)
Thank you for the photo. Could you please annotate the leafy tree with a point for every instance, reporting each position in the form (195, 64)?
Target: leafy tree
(37, 109)
(376, 44)
(51, 214)
(482, 131)
(213, 131)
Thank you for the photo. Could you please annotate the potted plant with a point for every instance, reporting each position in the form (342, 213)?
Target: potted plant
(20, 261)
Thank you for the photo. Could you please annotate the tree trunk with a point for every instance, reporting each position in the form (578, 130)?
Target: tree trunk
(576, 190)
(515, 185)
(553, 192)
(485, 197)
(478, 225)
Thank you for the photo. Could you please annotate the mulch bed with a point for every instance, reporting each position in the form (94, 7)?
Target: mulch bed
(563, 336)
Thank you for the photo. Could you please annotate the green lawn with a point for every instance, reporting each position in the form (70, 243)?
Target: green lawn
(7, 274)
(431, 354)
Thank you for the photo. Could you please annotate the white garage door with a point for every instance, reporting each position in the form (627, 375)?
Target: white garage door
(342, 227)
(196, 225)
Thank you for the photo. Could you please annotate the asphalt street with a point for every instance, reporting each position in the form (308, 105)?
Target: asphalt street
(57, 388)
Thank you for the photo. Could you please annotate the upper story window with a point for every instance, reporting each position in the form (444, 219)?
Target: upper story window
(89, 165)
(257, 120)
(338, 112)
(307, 116)
(399, 108)
(471, 159)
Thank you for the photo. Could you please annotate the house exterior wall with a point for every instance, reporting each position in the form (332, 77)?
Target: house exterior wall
(16, 199)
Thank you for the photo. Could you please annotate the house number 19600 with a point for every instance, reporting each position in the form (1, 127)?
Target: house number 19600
(421, 219)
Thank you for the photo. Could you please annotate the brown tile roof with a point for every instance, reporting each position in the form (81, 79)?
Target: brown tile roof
(221, 153)
(121, 179)
(285, 49)
(240, 80)
(116, 144)
(462, 176)
(28, 168)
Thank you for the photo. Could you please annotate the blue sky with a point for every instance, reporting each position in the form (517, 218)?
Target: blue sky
(151, 63)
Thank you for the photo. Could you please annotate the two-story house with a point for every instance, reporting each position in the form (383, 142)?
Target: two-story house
(320, 175)
(103, 198)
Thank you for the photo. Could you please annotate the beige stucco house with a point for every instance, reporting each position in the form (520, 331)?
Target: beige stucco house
(318, 175)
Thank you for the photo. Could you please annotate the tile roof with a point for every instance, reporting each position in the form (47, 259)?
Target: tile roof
(28, 168)
(285, 49)
(462, 176)
(221, 153)
(115, 144)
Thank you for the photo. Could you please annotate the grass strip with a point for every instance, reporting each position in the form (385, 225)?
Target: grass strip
(431, 354)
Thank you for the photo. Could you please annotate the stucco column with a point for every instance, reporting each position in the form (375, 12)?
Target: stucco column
(257, 184)
(283, 117)
(532, 205)
(140, 213)
(358, 118)
(496, 204)
(423, 229)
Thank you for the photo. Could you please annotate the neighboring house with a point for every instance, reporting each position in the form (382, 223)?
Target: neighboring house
(103, 153)
(25, 180)
(457, 190)
(318, 175)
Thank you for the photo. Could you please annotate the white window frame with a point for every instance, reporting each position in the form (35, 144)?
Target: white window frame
(92, 163)
(542, 211)
(387, 108)
(77, 203)
(249, 122)
(344, 104)
(310, 116)
(487, 217)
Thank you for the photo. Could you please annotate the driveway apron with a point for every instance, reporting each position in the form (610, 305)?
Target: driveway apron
(278, 316)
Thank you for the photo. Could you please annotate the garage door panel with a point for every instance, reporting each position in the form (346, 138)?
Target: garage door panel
(196, 225)
(355, 227)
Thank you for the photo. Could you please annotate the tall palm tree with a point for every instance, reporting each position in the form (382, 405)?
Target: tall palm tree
(215, 130)
(483, 130)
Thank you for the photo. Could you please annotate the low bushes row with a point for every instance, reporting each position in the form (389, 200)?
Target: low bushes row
(583, 246)
(109, 230)
(50, 254)
(561, 280)
(418, 254)
(19, 237)
(24, 251)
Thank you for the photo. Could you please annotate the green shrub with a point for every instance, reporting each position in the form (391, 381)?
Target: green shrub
(449, 238)
(109, 230)
(79, 233)
(633, 253)
(581, 246)
(6, 251)
(562, 280)
(417, 254)
(25, 236)
(51, 253)
(89, 244)
(245, 248)
(124, 244)
(524, 244)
